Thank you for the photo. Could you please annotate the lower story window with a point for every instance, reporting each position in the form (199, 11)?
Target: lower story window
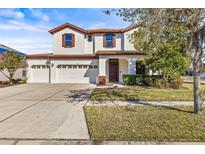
(80, 66)
(73, 66)
(69, 66)
(85, 66)
(39, 66)
(23, 73)
(64, 66)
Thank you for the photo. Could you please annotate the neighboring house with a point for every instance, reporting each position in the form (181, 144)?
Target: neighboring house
(86, 56)
(20, 73)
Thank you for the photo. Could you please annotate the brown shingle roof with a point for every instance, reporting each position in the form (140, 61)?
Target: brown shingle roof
(91, 31)
(118, 52)
(61, 56)
(66, 25)
(83, 56)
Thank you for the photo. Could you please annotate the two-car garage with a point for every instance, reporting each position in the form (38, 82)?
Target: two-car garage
(62, 71)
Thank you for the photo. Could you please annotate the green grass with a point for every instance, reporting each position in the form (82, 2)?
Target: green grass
(143, 93)
(145, 123)
(5, 85)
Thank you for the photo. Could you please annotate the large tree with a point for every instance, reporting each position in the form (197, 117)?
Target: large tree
(170, 31)
(10, 62)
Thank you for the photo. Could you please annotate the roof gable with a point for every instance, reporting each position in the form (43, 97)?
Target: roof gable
(66, 25)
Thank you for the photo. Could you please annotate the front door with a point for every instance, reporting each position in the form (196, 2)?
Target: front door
(113, 70)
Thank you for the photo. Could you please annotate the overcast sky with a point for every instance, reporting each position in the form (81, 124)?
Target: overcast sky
(26, 30)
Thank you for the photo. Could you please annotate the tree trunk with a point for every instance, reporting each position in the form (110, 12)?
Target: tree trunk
(11, 79)
(196, 86)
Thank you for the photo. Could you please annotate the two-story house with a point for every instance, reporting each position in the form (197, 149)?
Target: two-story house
(85, 56)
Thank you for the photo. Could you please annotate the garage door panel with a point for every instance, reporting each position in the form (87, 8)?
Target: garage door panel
(40, 75)
(76, 75)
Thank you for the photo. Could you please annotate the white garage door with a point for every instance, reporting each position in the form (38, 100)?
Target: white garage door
(39, 74)
(76, 73)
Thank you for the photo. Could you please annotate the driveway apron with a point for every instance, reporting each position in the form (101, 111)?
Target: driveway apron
(42, 111)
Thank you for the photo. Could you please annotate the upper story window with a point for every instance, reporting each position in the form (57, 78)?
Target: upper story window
(68, 40)
(90, 38)
(109, 41)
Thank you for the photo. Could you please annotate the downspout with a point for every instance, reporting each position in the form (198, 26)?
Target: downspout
(93, 43)
(49, 71)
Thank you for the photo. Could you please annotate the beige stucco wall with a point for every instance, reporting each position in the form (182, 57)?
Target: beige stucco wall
(128, 44)
(79, 47)
(123, 69)
(82, 46)
(89, 45)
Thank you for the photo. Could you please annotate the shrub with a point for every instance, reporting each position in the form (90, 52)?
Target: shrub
(152, 80)
(16, 81)
(22, 81)
(129, 79)
(160, 83)
(169, 83)
(175, 83)
(141, 80)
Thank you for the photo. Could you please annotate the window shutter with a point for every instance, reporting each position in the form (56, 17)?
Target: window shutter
(114, 41)
(73, 40)
(104, 40)
(63, 40)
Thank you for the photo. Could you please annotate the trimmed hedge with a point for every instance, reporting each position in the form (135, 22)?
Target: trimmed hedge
(152, 80)
(140, 79)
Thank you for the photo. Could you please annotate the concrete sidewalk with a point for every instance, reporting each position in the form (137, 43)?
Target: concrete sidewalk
(90, 142)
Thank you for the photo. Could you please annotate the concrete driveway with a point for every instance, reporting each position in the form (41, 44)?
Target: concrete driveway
(43, 111)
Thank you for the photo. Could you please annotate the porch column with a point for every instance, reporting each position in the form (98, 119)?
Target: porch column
(102, 71)
(132, 66)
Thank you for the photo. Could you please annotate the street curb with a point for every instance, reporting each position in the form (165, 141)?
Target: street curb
(89, 142)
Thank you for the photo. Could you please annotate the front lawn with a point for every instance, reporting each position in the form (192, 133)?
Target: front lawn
(143, 93)
(7, 84)
(145, 123)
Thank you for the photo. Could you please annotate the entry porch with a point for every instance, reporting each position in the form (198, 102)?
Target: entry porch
(112, 67)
